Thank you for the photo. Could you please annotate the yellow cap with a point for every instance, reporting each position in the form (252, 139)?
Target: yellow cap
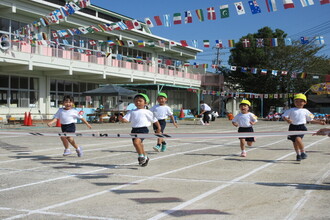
(246, 102)
(300, 96)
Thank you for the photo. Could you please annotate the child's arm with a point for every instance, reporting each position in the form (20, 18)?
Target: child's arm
(235, 124)
(287, 120)
(318, 121)
(158, 130)
(123, 120)
(253, 122)
(323, 131)
(86, 123)
(174, 123)
(51, 122)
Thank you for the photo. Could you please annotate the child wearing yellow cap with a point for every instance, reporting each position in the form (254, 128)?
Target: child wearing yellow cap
(161, 112)
(141, 118)
(244, 121)
(297, 117)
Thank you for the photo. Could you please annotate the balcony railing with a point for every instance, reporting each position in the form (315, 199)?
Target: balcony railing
(97, 57)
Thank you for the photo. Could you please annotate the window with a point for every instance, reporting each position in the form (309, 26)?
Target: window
(4, 24)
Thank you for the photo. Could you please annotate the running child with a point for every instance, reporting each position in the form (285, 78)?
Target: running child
(68, 117)
(297, 117)
(161, 112)
(244, 121)
(141, 119)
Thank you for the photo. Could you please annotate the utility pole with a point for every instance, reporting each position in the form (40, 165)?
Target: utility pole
(217, 62)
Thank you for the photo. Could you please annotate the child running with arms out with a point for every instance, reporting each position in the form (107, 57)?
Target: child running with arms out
(161, 112)
(68, 117)
(244, 121)
(141, 119)
(297, 117)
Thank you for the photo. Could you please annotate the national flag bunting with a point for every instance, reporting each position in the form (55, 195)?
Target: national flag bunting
(206, 43)
(218, 44)
(200, 15)
(231, 43)
(149, 22)
(246, 43)
(211, 13)
(239, 8)
(141, 43)
(260, 42)
(255, 9)
(184, 43)
(319, 40)
(303, 75)
(224, 11)
(167, 22)
(177, 18)
(271, 5)
(264, 71)
(273, 42)
(305, 3)
(288, 4)
(323, 2)
(158, 20)
(188, 17)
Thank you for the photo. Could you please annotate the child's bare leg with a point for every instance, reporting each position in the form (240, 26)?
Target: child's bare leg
(249, 143)
(242, 144)
(300, 144)
(296, 147)
(65, 142)
(138, 146)
(72, 142)
(160, 140)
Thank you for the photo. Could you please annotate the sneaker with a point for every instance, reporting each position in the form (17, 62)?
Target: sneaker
(67, 152)
(298, 158)
(157, 148)
(146, 160)
(303, 155)
(80, 152)
(243, 154)
(163, 148)
(141, 160)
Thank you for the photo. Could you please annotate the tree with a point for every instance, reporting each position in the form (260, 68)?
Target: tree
(295, 59)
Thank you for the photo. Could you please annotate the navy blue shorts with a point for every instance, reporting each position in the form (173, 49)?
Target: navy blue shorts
(141, 130)
(246, 129)
(70, 128)
(292, 127)
(162, 123)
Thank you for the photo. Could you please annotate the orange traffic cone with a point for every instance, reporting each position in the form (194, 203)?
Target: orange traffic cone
(58, 123)
(29, 121)
(25, 119)
(181, 116)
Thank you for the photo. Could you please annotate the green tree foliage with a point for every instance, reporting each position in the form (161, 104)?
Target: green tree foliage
(297, 58)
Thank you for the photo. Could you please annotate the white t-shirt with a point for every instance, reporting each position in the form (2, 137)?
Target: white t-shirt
(205, 107)
(140, 118)
(68, 116)
(244, 120)
(298, 115)
(161, 111)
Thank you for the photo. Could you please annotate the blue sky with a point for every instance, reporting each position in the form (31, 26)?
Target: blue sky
(294, 21)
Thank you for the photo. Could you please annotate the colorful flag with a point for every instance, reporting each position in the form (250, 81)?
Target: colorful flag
(129, 24)
(239, 8)
(161, 43)
(167, 22)
(130, 43)
(120, 43)
(255, 9)
(246, 43)
(54, 34)
(284, 73)
(172, 44)
(92, 42)
(121, 25)
(195, 43)
(271, 5)
(200, 15)
(158, 20)
(141, 43)
(263, 72)
(188, 17)
(184, 43)
(288, 4)
(177, 18)
(206, 43)
(231, 43)
(305, 3)
(218, 44)
(273, 42)
(211, 13)
(151, 43)
(149, 22)
(319, 40)
(274, 72)
(287, 41)
(111, 43)
(323, 2)
(243, 69)
(303, 75)
(224, 11)
(260, 42)
(254, 70)
(136, 24)
(304, 40)
(233, 68)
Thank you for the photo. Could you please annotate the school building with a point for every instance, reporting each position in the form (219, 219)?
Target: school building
(41, 59)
